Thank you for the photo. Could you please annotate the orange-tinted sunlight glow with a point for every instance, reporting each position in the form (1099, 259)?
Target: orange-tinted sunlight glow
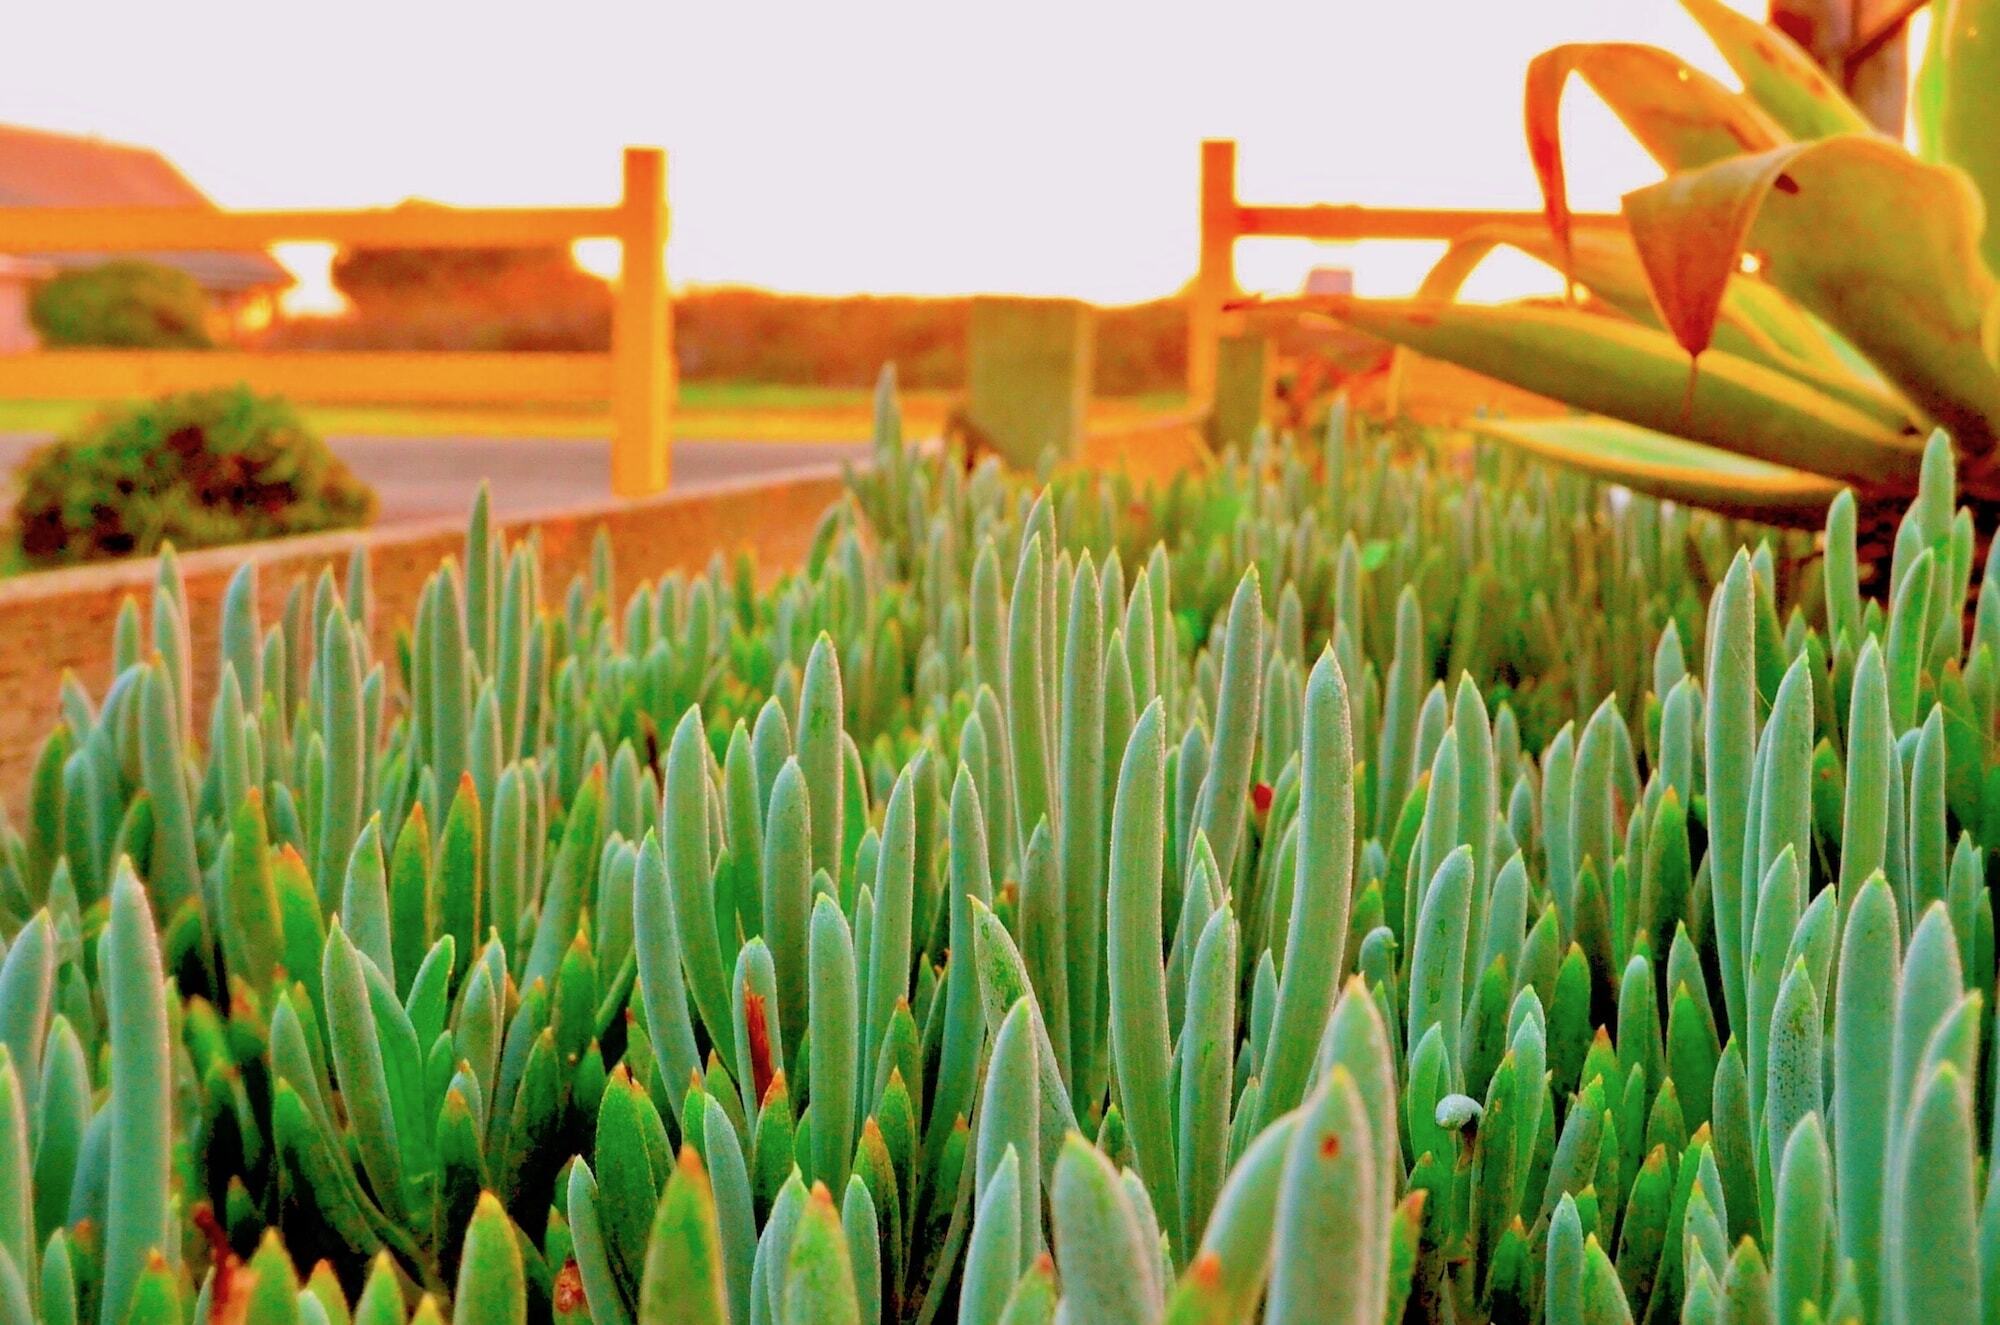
(256, 315)
(1043, 146)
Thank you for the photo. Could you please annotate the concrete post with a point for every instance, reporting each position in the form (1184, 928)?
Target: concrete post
(1029, 375)
(1242, 389)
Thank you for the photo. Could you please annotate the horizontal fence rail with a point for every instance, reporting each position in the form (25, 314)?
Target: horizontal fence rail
(1327, 221)
(1224, 220)
(325, 377)
(636, 377)
(91, 229)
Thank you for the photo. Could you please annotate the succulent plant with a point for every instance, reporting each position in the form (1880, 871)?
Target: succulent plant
(1408, 891)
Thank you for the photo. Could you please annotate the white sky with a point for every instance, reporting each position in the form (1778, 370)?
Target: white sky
(927, 146)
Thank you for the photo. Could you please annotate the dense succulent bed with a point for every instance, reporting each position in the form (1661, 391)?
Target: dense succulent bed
(1380, 879)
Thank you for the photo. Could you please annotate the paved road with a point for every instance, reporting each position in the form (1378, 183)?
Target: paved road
(419, 478)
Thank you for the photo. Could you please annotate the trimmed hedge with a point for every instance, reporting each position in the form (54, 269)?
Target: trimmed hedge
(128, 305)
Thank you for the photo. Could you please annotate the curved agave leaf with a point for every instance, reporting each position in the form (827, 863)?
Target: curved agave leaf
(1755, 321)
(1927, 88)
(1663, 466)
(1681, 116)
(1638, 375)
(1958, 100)
(1880, 245)
(1780, 77)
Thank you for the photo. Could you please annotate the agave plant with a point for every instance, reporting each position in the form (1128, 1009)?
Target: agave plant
(1791, 310)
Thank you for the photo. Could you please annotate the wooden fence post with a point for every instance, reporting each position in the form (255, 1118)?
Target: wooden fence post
(642, 332)
(1215, 276)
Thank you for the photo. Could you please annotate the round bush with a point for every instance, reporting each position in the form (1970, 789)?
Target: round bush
(127, 305)
(196, 469)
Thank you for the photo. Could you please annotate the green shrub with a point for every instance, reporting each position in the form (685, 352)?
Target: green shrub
(125, 305)
(196, 469)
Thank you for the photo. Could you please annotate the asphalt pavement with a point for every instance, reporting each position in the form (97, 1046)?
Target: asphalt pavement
(420, 478)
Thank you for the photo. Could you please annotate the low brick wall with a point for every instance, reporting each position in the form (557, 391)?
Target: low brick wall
(61, 621)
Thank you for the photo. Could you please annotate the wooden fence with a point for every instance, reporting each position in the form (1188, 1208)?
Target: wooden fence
(636, 376)
(1225, 219)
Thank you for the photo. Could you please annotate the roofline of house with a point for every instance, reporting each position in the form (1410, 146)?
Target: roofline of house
(85, 135)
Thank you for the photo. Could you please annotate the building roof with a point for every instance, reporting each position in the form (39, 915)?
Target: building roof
(39, 168)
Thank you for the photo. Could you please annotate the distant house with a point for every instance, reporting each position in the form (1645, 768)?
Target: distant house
(43, 169)
(17, 280)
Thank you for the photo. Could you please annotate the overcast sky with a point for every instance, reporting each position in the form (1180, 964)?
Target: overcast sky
(924, 146)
